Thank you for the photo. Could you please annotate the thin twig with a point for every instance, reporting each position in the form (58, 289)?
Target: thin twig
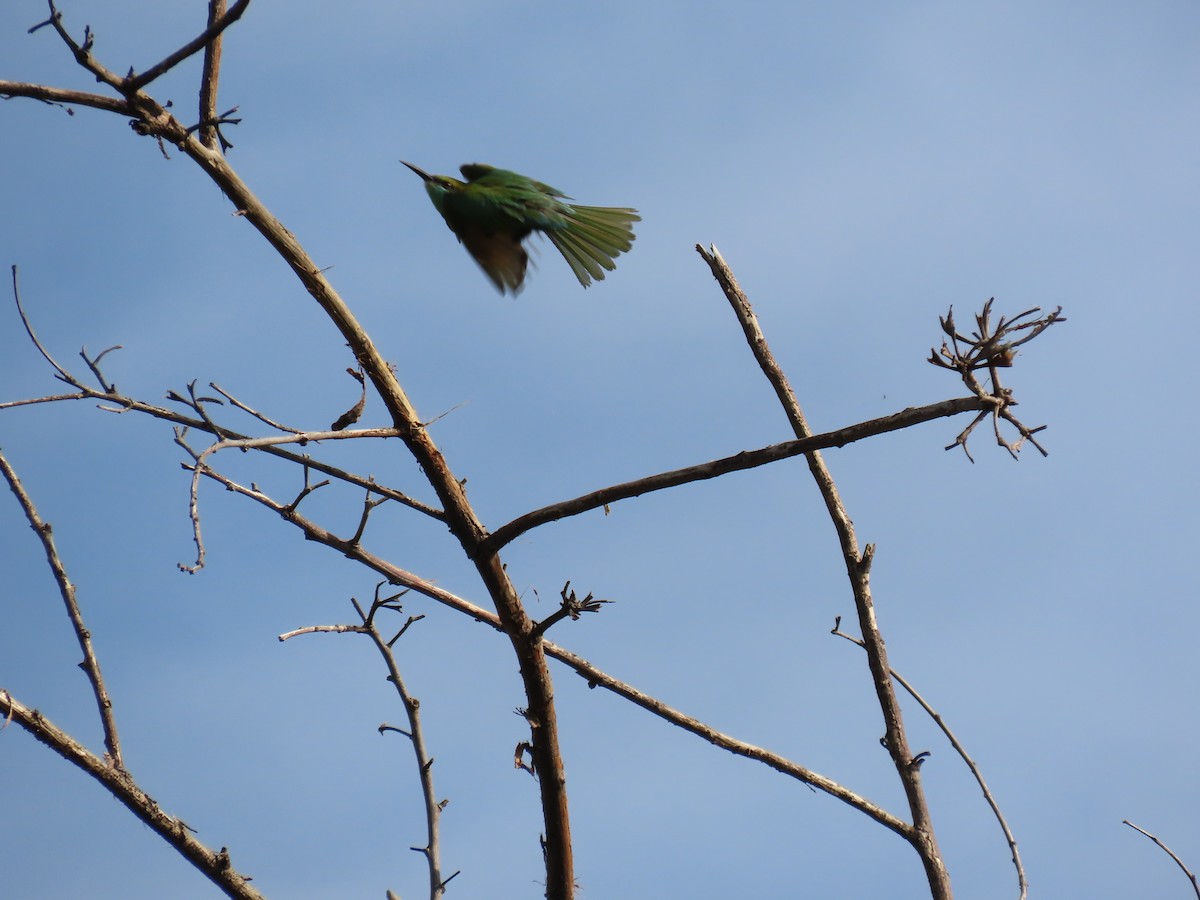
(50, 398)
(992, 348)
(1171, 853)
(65, 97)
(415, 734)
(94, 365)
(1022, 884)
(254, 412)
(369, 506)
(62, 373)
(199, 466)
(91, 663)
(571, 607)
(83, 52)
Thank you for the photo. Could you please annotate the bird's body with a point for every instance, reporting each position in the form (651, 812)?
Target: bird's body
(494, 210)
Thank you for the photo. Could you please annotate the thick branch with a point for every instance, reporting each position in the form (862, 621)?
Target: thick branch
(63, 96)
(210, 77)
(460, 516)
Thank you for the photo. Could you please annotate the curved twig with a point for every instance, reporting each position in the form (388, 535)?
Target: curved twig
(1171, 853)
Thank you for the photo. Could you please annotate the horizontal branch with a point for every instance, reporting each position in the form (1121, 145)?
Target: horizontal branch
(747, 459)
(269, 446)
(48, 94)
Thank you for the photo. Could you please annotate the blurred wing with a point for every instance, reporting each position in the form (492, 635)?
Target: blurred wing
(501, 257)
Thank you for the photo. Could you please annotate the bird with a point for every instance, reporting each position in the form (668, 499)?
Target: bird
(494, 210)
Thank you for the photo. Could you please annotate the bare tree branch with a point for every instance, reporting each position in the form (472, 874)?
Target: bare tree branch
(1171, 853)
(214, 865)
(858, 568)
(210, 78)
(1022, 884)
(594, 676)
(205, 423)
(91, 663)
(64, 97)
(210, 35)
(16, 287)
(992, 348)
(412, 707)
(747, 459)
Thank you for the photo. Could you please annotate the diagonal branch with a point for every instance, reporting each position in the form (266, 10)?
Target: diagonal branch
(213, 865)
(595, 677)
(858, 569)
(210, 35)
(1022, 884)
(1171, 853)
(747, 459)
(90, 664)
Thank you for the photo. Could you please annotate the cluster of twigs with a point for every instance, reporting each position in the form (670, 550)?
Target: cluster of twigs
(991, 348)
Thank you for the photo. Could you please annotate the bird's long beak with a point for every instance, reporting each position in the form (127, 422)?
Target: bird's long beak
(424, 175)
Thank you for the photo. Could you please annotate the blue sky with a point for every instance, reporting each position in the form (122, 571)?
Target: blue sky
(862, 167)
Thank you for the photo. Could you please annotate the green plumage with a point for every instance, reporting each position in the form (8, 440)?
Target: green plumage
(494, 210)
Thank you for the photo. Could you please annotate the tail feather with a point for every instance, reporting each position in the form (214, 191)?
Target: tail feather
(591, 239)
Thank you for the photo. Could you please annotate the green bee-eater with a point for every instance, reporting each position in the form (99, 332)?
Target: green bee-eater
(494, 210)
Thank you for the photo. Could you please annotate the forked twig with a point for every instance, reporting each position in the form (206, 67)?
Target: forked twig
(415, 733)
